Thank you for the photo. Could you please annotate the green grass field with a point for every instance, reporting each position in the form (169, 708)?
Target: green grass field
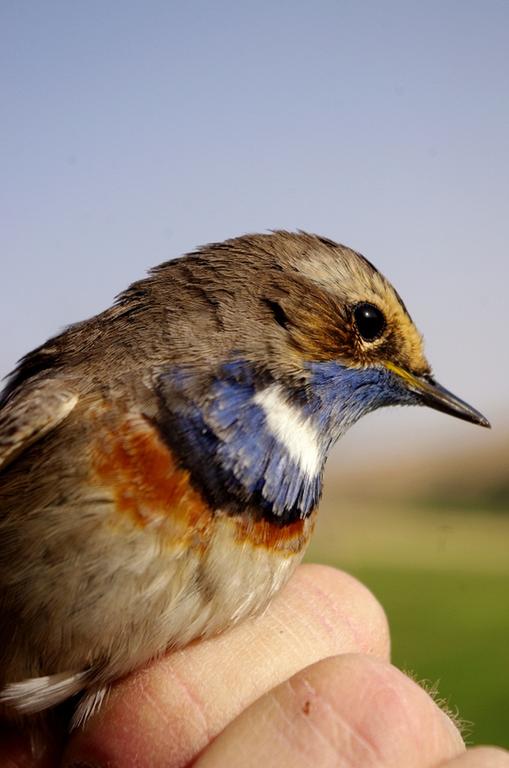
(453, 628)
(444, 582)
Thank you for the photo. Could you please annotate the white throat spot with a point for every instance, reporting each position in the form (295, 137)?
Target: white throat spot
(291, 429)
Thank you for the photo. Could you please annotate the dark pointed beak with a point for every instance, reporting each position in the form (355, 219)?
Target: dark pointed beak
(429, 392)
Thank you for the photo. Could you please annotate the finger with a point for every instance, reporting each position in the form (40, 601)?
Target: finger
(350, 711)
(167, 713)
(480, 757)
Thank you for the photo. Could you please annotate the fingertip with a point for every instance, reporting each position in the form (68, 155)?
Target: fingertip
(480, 757)
(341, 596)
(385, 701)
(344, 710)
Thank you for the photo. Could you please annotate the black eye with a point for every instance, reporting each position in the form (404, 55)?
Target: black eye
(369, 320)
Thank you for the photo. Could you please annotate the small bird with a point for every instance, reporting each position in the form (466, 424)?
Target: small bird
(161, 463)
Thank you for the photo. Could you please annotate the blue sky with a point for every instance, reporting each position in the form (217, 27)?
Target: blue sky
(133, 131)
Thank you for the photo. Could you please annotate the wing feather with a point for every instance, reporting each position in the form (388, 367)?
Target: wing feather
(39, 693)
(31, 413)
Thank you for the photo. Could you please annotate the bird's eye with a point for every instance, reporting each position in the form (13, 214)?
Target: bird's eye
(369, 320)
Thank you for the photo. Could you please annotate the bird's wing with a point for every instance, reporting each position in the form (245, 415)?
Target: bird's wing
(31, 413)
(39, 693)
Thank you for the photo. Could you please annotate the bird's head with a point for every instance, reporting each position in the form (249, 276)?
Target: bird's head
(347, 330)
(304, 337)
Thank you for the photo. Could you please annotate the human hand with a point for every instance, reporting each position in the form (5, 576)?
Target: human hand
(308, 683)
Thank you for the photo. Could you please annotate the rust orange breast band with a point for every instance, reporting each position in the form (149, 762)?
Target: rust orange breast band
(148, 486)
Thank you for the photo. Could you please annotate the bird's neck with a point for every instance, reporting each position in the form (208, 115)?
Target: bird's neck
(247, 445)
(253, 443)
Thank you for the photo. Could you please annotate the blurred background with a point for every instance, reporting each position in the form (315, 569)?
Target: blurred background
(134, 131)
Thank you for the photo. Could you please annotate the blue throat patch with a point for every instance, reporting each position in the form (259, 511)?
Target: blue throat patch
(235, 460)
(341, 395)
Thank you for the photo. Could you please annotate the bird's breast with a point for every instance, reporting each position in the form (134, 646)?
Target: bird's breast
(150, 489)
(198, 569)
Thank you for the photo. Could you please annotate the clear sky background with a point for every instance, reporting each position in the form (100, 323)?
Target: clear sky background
(133, 131)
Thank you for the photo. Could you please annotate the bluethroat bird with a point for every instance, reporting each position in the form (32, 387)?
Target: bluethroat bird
(161, 463)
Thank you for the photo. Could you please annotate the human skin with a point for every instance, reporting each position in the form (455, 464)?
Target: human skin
(307, 683)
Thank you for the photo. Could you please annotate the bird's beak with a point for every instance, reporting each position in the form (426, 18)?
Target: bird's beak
(429, 393)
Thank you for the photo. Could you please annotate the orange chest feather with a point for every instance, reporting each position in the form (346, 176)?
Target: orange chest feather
(149, 487)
